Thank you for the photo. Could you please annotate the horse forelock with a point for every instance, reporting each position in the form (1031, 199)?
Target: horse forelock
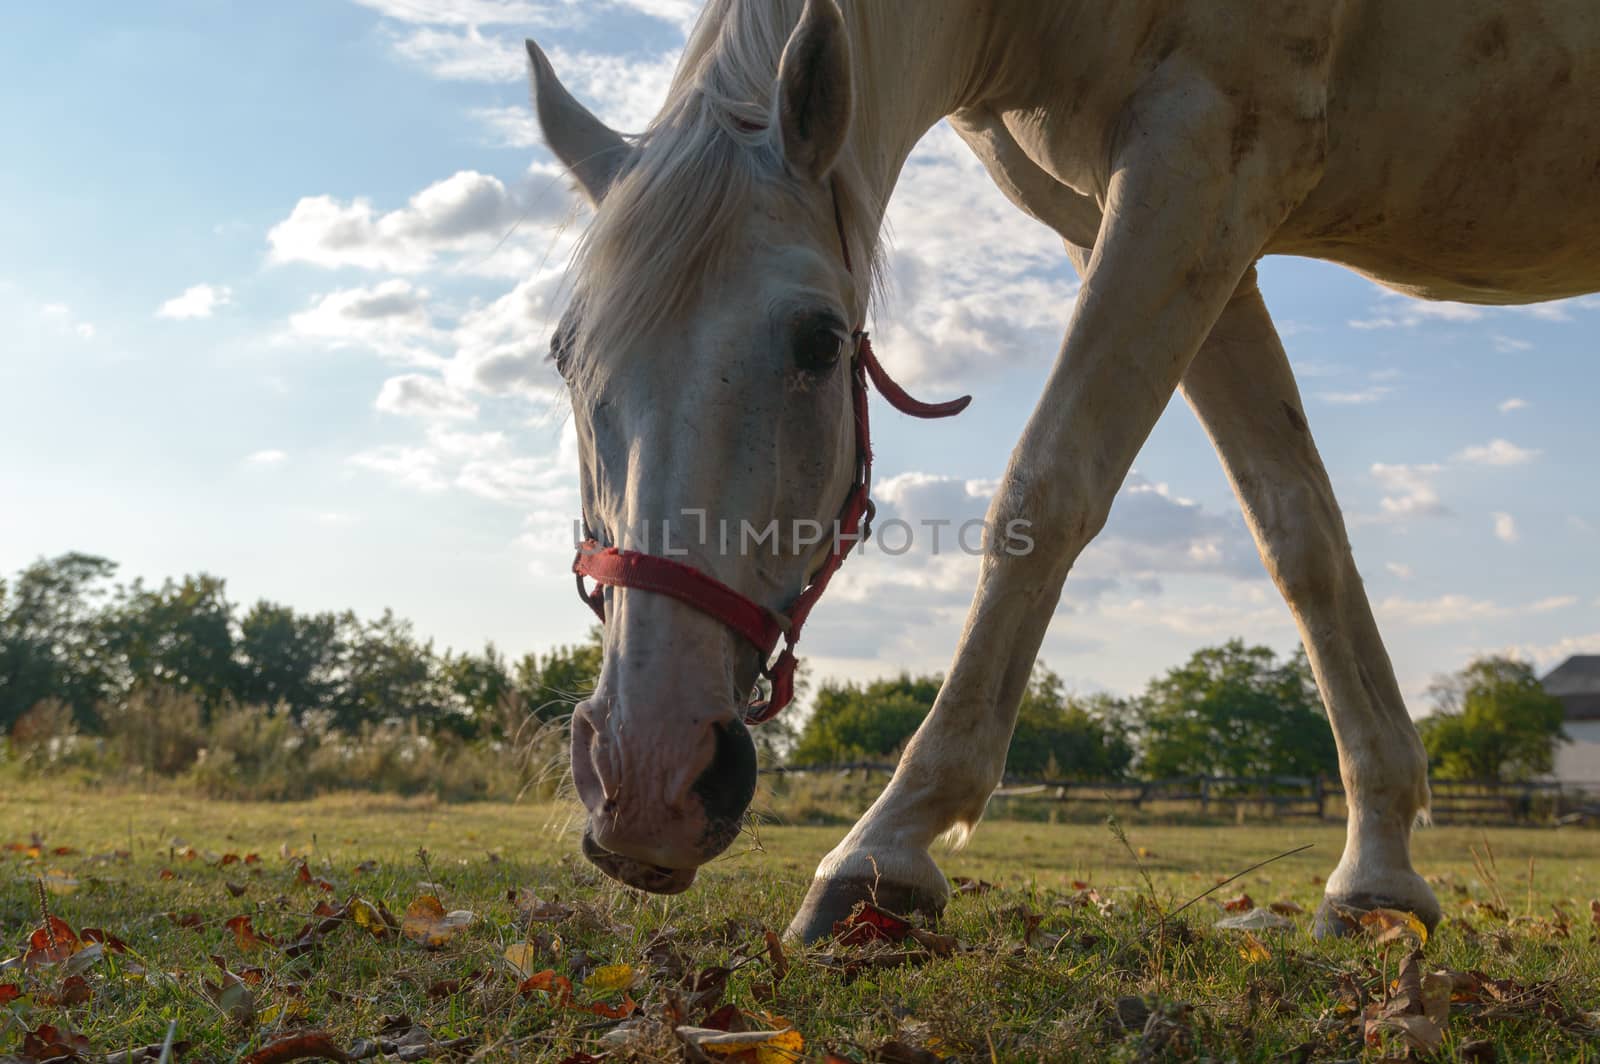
(672, 217)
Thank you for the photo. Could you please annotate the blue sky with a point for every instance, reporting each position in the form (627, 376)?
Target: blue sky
(278, 280)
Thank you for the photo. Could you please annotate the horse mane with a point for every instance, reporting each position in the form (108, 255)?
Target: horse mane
(665, 218)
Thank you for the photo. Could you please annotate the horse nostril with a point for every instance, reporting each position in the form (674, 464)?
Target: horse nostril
(729, 782)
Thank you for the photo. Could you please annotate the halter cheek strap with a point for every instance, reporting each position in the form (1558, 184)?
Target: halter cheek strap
(761, 627)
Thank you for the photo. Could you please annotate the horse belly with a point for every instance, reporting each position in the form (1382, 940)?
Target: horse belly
(1464, 151)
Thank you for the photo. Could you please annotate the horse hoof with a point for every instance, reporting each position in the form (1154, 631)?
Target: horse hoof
(1341, 917)
(831, 900)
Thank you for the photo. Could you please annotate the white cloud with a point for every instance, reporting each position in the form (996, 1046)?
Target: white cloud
(1508, 344)
(424, 396)
(1496, 452)
(391, 318)
(61, 316)
(1509, 405)
(413, 467)
(1373, 394)
(1399, 312)
(1550, 654)
(465, 211)
(1409, 489)
(974, 284)
(270, 457)
(1460, 609)
(1399, 570)
(1505, 527)
(198, 301)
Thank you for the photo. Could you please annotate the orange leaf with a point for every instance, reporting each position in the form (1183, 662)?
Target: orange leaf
(1242, 904)
(246, 936)
(1389, 925)
(51, 944)
(427, 924)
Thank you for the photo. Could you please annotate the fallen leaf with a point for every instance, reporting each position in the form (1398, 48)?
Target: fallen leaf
(235, 889)
(868, 923)
(58, 882)
(427, 923)
(74, 990)
(968, 885)
(298, 1046)
(784, 1045)
(1418, 1032)
(1241, 904)
(369, 917)
(232, 997)
(611, 977)
(1254, 951)
(110, 941)
(522, 956)
(1286, 908)
(9, 992)
(245, 935)
(48, 1042)
(53, 942)
(775, 954)
(531, 907)
(1391, 925)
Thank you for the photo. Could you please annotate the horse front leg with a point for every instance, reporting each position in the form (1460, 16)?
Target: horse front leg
(1243, 391)
(1185, 216)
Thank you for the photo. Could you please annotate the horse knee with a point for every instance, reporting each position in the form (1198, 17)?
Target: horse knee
(1056, 516)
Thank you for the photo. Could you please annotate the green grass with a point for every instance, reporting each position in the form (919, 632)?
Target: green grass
(1053, 996)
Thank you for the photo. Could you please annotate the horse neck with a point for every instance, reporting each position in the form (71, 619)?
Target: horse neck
(908, 74)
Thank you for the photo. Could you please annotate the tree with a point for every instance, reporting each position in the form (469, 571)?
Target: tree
(1059, 736)
(1056, 734)
(178, 636)
(1493, 720)
(52, 641)
(289, 658)
(388, 673)
(854, 722)
(553, 684)
(1236, 710)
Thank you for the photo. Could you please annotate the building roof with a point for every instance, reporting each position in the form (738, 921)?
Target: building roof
(1576, 682)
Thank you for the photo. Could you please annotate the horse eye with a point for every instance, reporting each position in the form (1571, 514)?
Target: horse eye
(819, 346)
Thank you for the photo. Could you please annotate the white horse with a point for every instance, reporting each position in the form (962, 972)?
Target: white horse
(1446, 148)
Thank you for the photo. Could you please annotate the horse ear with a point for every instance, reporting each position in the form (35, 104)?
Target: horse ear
(590, 150)
(814, 93)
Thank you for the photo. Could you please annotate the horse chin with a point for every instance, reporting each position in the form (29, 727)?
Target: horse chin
(637, 874)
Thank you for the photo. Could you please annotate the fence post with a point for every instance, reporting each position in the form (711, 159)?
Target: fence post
(1205, 795)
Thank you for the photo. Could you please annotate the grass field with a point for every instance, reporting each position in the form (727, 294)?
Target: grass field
(1041, 967)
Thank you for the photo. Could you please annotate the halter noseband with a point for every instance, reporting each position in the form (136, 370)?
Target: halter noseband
(760, 626)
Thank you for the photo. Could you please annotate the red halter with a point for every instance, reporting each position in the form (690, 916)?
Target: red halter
(760, 626)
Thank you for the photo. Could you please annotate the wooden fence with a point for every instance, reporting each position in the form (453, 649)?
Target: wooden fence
(1317, 797)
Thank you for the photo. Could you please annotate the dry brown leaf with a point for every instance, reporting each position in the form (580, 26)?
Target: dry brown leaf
(427, 923)
(245, 935)
(1392, 925)
(300, 1045)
